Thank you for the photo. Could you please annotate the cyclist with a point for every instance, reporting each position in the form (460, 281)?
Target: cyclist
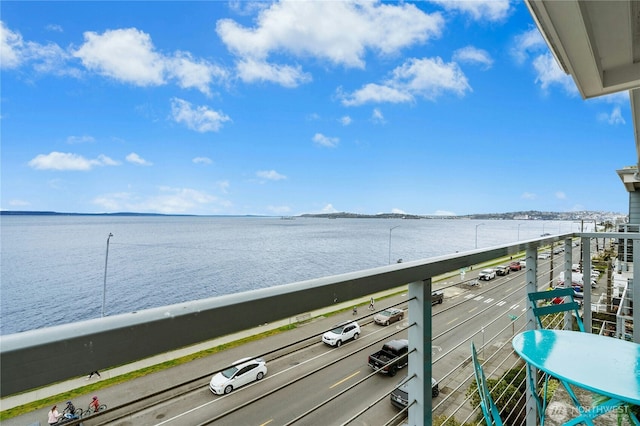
(70, 411)
(94, 404)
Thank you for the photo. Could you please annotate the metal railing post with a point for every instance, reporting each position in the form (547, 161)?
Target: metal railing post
(568, 272)
(420, 353)
(531, 277)
(586, 284)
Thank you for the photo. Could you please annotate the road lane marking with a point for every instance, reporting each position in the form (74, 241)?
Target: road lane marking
(344, 380)
(489, 300)
(452, 321)
(501, 303)
(479, 298)
(266, 423)
(473, 309)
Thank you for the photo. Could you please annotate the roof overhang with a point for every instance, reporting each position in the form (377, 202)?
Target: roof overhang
(597, 42)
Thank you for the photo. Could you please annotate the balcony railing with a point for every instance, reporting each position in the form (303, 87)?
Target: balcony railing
(494, 312)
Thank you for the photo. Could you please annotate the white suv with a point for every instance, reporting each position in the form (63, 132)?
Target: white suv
(487, 274)
(342, 332)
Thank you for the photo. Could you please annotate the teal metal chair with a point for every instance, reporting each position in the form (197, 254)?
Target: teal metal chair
(559, 300)
(489, 409)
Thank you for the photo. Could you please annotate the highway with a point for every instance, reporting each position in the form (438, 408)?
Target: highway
(303, 378)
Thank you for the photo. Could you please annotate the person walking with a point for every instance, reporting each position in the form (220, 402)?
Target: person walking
(371, 302)
(53, 415)
(96, 372)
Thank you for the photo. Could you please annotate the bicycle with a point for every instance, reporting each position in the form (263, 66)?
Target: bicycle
(91, 410)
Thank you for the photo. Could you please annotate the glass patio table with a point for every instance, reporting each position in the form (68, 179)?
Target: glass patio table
(603, 365)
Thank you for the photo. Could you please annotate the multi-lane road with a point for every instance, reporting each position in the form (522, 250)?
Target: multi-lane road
(317, 384)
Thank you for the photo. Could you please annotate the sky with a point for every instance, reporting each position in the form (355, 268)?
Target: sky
(292, 107)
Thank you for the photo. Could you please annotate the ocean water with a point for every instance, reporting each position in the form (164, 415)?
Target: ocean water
(52, 267)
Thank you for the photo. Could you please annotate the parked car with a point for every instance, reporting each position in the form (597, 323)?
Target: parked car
(342, 332)
(388, 316)
(400, 395)
(502, 270)
(515, 266)
(391, 357)
(437, 297)
(242, 372)
(487, 274)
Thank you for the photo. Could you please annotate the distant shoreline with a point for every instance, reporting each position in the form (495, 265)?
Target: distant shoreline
(524, 215)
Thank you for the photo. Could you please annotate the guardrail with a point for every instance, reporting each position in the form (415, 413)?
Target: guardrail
(25, 358)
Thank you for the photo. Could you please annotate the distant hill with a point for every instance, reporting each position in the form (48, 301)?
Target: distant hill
(523, 215)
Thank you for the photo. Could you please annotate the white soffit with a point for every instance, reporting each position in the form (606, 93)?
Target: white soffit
(597, 42)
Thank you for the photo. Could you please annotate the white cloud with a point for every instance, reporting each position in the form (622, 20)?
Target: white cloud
(549, 73)
(528, 42)
(270, 175)
(124, 54)
(72, 140)
(327, 141)
(168, 200)
(614, 118)
(55, 28)
(329, 209)
(398, 211)
(136, 159)
(62, 161)
(444, 213)
(251, 71)
(377, 116)
(428, 78)
(223, 186)
(345, 120)
(375, 93)
(528, 196)
(560, 195)
(191, 73)
(128, 55)
(11, 46)
(106, 161)
(492, 10)
(19, 203)
(201, 119)
(202, 160)
(292, 28)
(473, 55)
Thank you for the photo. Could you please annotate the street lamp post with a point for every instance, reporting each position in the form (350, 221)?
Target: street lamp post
(477, 233)
(104, 287)
(391, 229)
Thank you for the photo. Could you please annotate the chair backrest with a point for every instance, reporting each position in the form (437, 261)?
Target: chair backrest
(558, 300)
(489, 409)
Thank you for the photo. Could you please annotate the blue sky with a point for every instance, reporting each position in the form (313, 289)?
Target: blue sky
(285, 108)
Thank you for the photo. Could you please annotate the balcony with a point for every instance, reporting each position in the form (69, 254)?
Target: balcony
(489, 314)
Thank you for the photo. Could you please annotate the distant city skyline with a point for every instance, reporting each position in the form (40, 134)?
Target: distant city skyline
(441, 108)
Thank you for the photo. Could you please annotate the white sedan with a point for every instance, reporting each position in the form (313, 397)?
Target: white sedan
(242, 372)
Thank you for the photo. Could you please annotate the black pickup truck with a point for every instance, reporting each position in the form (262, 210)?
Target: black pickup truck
(391, 357)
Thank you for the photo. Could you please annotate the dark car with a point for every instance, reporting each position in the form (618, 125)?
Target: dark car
(400, 396)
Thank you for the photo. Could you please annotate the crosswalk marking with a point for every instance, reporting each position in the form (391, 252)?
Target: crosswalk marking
(501, 303)
(489, 300)
(478, 298)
